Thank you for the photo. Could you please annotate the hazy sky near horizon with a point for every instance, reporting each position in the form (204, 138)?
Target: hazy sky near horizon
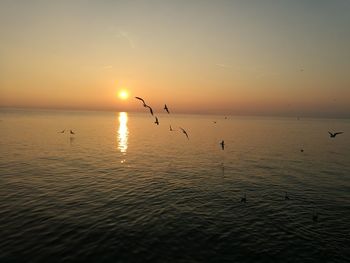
(230, 57)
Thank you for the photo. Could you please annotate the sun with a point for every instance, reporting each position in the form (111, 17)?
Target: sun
(123, 94)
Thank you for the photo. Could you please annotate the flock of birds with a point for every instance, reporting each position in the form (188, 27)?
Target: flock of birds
(156, 118)
(222, 143)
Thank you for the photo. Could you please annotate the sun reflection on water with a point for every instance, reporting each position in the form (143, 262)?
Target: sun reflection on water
(123, 132)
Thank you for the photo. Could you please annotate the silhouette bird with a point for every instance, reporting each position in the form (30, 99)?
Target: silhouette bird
(332, 135)
(166, 108)
(156, 122)
(286, 197)
(222, 145)
(170, 128)
(244, 199)
(62, 131)
(214, 122)
(150, 109)
(71, 132)
(315, 217)
(141, 99)
(184, 133)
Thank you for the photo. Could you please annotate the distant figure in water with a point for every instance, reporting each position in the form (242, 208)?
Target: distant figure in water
(71, 132)
(286, 197)
(244, 199)
(156, 122)
(166, 108)
(315, 217)
(332, 135)
(222, 145)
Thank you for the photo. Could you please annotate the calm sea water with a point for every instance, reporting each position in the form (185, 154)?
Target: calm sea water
(123, 189)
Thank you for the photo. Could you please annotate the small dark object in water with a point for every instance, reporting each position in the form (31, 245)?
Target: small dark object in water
(286, 197)
(244, 199)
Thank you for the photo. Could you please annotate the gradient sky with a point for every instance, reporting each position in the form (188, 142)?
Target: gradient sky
(273, 57)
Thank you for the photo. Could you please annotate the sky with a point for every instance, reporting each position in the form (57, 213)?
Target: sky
(256, 57)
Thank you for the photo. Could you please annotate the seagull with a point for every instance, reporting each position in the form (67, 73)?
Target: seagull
(141, 99)
(166, 108)
(170, 128)
(150, 109)
(71, 132)
(222, 144)
(332, 135)
(286, 197)
(184, 133)
(315, 217)
(244, 199)
(62, 131)
(156, 122)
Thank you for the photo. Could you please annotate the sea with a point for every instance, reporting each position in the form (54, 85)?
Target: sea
(81, 186)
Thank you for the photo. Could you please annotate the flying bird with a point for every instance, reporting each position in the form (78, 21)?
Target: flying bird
(332, 135)
(156, 122)
(222, 144)
(184, 133)
(62, 131)
(166, 108)
(141, 99)
(170, 128)
(71, 132)
(150, 109)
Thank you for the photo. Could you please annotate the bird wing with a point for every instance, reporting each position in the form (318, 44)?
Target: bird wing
(150, 109)
(331, 134)
(141, 99)
(338, 133)
(186, 135)
(183, 130)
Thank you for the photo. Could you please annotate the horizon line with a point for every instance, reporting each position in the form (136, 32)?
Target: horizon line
(242, 114)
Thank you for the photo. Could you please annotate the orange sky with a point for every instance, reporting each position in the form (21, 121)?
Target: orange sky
(199, 57)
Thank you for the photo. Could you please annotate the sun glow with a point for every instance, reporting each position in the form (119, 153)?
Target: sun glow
(123, 94)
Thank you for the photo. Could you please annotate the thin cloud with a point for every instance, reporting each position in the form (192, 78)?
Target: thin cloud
(125, 35)
(222, 65)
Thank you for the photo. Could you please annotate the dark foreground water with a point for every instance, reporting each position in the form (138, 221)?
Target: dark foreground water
(125, 190)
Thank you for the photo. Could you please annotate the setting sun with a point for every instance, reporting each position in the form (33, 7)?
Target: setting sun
(123, 94)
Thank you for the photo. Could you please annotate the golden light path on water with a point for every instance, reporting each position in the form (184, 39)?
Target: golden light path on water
(123, 132)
